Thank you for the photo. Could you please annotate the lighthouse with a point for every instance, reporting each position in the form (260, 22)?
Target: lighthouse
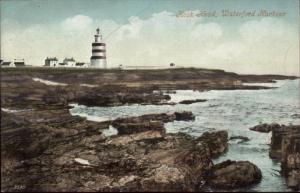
(98, 59)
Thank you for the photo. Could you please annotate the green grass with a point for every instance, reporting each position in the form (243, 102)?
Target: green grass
(49, 70)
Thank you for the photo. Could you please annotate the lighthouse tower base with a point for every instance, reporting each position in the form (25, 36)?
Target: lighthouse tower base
(98, 63)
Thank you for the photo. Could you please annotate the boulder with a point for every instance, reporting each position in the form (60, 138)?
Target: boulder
(285, 147)
(290, 156)
(187, 102)
(234, 174)
(184, 116)
(280, 135)
(149, 117)
(216, 141)
(239, 137)
(183, 164)
(265, 128)
(130, 125)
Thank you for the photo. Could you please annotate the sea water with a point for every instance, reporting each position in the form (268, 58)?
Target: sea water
(232, 110)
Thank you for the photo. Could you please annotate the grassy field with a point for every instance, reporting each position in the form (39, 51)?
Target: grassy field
(83, 70)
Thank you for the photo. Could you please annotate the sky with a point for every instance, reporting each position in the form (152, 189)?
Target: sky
(152, 33)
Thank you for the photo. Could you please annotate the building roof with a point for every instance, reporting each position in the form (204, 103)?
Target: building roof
(52, 59)
(19, 63)
(5, 63)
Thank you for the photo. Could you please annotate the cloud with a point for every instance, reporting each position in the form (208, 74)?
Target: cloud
(266, 45)
(78, 23)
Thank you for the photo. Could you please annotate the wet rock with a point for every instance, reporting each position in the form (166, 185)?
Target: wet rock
(170, 92)
(164, 103)
(265, 128)
(233, 174)
(129, 128)
(279, 140)
(148, 122)
(285, 147)
(187, 102)
(239, 137)
(184, 116)
(216, 141)
(289, 153)
(163, 117)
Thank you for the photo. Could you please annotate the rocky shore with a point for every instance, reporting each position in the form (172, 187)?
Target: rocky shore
(73, 155)
(45, 148)
(285, 147)
(26, 88)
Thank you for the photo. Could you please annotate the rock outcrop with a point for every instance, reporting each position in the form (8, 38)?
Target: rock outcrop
(184, 116)
(216, 141)
(187, 102)
(285, 146)
(241, 139)
(44, 148)
(265, 128)
(232, 174)
(147, 122)
(66, 153)
(121, 99)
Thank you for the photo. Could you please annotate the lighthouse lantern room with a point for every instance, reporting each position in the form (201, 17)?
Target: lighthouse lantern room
(98, 59)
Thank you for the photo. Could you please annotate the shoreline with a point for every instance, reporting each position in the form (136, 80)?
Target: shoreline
(56, 144)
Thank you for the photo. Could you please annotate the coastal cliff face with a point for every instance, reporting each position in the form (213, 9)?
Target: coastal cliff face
(285, 147)
(45, 148)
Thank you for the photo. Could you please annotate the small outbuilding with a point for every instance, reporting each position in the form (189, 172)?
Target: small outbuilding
(69, 62)
(19, 62)
(51, 62)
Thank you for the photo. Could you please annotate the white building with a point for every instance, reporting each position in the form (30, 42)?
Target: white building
(69, 62)
(98, 59)
(7, 64)
(51, 62)
(19, 62)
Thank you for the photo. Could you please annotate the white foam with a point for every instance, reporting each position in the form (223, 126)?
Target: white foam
(181, 95)
(93, 118)
(89, 85)
(110, 131)
(48, 82)
(82, 161)
(277, 83)
(15, 111)
(87, 116)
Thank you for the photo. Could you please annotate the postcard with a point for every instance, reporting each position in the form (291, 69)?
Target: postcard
(150, 95)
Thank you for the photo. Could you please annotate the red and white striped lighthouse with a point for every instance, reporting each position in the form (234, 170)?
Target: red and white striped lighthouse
(98, 59)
